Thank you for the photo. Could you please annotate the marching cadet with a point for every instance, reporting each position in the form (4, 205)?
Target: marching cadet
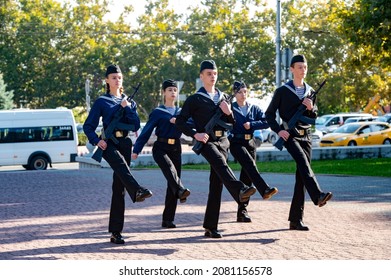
(201, 107)
(248, 117)
(286, 100)
(117, 155)
(167, 149)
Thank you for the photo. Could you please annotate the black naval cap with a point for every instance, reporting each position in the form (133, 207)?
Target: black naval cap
(298, 58)
(208, 64)
(238, 85)
(113, 68)
(169, 83)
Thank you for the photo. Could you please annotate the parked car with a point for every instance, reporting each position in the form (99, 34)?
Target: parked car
(361, 119)
(261, 136)
(272, 137)
(337, 120)
(359, 133)
(385, 118)
(316, 136)
(322, 120)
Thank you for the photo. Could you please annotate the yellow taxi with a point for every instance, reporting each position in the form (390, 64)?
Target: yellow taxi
(358, 133)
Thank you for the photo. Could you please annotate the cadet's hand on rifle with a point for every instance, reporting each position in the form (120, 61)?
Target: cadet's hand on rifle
(102, 144)
(284, 134)
(247, 125)
(225, 107)
(173, 120)
(124, 103)
(202, 137)
(307, 102)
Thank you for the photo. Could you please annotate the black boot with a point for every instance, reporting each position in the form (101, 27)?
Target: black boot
(242, 215)
(298, 226)
(117, 238)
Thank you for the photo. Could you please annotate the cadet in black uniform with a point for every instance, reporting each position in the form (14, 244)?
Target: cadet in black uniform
(201, 107)
(117, 155)
(248, 117)
(286, 100)
(167, 149)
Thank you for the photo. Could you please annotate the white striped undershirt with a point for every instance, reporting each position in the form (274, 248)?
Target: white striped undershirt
(300, 92)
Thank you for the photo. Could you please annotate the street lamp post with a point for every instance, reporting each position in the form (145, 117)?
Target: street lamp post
(278, 44)
(87, 88)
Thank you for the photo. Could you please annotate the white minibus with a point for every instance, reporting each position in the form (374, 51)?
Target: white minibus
(37, 138)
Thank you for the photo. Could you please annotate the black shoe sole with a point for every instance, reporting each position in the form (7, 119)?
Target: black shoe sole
(115, 241)
(208, 234)
(300, 229)
(143, 197)
(164, 225)
(243, 220)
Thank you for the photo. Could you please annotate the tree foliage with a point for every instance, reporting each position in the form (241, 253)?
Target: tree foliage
(366, 24)
(48, 49)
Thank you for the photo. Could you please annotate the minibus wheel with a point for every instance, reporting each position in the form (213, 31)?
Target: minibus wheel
(38, 163)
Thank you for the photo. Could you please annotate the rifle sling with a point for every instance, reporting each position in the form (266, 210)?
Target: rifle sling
(223, 124)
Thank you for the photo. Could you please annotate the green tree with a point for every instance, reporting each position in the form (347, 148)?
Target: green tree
(311, 28)
(238, 40)
(6, 97)
(367, 27)
(53, 48)
(48, 49)
(151, 53)
(367, 24)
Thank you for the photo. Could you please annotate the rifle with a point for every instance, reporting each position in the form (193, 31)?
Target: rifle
(114, 124)
(215, 120)
(299, 116)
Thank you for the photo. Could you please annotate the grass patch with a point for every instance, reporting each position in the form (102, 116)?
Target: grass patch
(358, 167)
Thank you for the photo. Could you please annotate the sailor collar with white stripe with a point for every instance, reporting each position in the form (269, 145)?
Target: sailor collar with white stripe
(292, 88)
(237, 108)
(204, 93)
(113, 98)
(164, 109)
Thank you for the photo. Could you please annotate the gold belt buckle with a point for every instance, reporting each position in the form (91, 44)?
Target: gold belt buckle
(119, 134)
(218, 133)
(301, 132)
(171, 141)
(247, 136)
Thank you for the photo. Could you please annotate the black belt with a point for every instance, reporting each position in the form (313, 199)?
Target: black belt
(248, 136)
(170, 141)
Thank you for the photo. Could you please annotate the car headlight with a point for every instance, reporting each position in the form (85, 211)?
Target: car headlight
(340, 139)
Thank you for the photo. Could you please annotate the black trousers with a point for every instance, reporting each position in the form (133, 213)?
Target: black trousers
(169, 159)
(301, 150)
(216, 153)
(244, 152)
(118, 157)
